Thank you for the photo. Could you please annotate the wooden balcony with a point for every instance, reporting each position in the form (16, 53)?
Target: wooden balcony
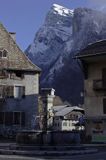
(99, 85)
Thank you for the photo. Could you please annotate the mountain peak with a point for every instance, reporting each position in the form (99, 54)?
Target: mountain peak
(63, 11)
(64, 34)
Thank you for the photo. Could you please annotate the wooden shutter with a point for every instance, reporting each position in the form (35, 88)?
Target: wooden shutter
(23, 91)
(10, 91)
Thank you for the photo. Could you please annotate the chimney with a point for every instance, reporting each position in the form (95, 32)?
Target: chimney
(48, 96)
(13, 35)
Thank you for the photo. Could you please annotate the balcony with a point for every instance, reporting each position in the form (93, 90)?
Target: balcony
(99, 85)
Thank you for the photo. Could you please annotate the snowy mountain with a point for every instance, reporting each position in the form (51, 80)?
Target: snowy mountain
(64, 33)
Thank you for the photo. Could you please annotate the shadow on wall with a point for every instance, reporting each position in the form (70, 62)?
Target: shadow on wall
(18, 113)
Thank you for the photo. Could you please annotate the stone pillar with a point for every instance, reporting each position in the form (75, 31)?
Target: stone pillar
(47, 95)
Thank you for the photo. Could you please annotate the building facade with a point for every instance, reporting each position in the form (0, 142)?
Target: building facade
(19, 85)
(94, 66)
(67, 118)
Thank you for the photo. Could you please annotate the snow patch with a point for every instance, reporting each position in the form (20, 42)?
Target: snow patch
(62, 10)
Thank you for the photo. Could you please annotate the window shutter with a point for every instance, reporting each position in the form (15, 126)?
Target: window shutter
(11, 91)
(23, 91)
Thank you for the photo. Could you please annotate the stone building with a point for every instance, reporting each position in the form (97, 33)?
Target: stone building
(93, 59)
(19, 85)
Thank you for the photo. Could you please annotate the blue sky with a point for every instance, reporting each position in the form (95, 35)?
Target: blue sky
(26, 16)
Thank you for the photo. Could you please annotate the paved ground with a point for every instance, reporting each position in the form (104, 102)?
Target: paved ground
(97, 156)
(87, 151)
(44, 151)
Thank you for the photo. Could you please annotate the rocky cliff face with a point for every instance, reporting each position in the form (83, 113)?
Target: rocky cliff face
(64, 33)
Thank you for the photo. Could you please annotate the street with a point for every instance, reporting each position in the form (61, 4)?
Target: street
(96, 156)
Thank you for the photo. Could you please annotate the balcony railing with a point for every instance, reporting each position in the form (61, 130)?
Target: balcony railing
(99, 85)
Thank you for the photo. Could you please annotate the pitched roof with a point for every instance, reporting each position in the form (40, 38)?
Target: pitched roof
(16, 59)
(97, 48)
(59, 107)
(67, 110)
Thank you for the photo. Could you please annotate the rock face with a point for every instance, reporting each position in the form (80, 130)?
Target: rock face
(64, 33)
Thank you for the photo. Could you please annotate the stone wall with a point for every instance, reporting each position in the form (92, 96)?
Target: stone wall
(93, 103)
(28, 103)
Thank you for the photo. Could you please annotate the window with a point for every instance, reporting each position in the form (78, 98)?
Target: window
(12, 118)
(16, 75)
(64, 123)
(3, 53)
(17, 118)
(19, 92)
(8, 118)
(12, 91)
(104, 106)
(19, 74)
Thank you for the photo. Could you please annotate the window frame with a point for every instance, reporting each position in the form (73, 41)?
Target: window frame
(5, 121)
(2, 53)
(21, 90)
